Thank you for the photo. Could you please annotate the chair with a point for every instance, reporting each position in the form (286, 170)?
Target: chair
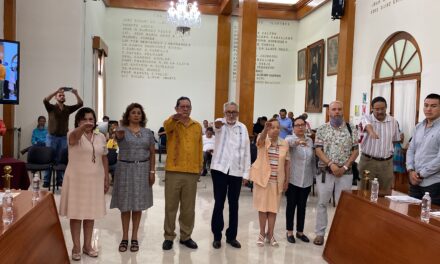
(112, 157)
(162, 146)
(40, 158)
(60, 167)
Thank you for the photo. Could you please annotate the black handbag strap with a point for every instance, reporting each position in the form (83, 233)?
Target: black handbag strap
(349, 129)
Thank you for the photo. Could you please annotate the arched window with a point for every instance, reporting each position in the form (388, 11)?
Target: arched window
(397, 77)
(399, 57)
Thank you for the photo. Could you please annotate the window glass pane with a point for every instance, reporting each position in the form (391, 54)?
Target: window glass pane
(389, 56)
(385, 71)
(399, 49)
(409, 50)
(413, 66)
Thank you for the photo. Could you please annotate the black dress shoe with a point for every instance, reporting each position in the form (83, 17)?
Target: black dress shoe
(290, 238)
(189, 243)
(302, 237)
(234, 243)
(216, 244)
(167, 245)
(46, 185)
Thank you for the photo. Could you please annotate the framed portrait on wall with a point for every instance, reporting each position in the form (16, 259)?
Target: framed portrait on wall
(314, 77)
(301, 65)
(332, 55)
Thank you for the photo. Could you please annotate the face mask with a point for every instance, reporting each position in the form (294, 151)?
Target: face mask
(336, 121)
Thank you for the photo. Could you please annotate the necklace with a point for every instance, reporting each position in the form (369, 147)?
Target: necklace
(91, 139)
(135, 132)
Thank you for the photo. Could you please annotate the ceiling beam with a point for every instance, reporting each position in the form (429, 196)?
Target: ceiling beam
(158, 5)
(307, 7)
(227, 7)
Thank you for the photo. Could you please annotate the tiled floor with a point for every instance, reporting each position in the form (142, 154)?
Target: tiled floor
(107, 234)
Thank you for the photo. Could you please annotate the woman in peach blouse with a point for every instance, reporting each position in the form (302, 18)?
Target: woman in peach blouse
(269, 176)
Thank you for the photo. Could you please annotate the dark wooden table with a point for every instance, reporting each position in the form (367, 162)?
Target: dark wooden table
(382, 232)
(20, 181)
(35, 235)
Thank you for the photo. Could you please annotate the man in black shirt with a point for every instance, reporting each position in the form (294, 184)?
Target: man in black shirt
(59, 125)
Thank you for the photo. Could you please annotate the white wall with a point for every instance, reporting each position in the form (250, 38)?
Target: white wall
(196, 81)
(318, 25)
(94, 17)
(417, 17)
(51, 37)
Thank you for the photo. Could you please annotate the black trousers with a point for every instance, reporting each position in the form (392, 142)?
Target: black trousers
(207, 156)
(417, 191)
(296, 198)
(225, 184)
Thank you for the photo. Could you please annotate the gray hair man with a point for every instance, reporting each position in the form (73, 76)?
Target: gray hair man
(229, 166)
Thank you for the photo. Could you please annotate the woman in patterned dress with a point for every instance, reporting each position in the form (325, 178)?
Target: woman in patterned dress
(269, 176)
(135, 174)
(85, 182)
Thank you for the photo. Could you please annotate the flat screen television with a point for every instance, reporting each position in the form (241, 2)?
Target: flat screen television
(9, 71)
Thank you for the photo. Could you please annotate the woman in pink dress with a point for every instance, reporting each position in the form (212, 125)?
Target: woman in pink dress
(85, 182)
(269, 176)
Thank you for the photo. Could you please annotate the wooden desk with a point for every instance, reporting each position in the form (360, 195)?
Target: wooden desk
(386, 232)
(35, 236)
(20, 181)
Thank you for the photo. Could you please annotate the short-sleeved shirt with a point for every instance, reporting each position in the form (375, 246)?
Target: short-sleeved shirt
(337, 143)
(58, 124)
(388, 131)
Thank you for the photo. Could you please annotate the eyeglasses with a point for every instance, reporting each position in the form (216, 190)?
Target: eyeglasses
(231, 112)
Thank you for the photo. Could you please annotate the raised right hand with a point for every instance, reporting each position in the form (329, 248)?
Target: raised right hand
(268, 125)
(374, 135)
(87, 126)
(218, 123)
(120, 133)
(177, 117)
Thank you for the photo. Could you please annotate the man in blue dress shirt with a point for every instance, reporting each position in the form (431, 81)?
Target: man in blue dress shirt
(423, 156)
(285, 124)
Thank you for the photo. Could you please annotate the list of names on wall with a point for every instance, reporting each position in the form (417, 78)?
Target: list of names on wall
(150, 49)
(274, 42)
(380, 5)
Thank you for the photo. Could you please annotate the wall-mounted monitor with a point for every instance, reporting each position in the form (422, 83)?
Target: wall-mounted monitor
(9, 71)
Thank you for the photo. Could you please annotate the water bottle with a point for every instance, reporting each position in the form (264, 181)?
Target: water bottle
(7, 204)
(36, 187)
(426, 208)
(374, 190)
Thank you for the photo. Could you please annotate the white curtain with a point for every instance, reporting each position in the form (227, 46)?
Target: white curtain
(382, 89)
(405, 96)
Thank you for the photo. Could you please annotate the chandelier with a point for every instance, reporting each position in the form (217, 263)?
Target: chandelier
(184, 15)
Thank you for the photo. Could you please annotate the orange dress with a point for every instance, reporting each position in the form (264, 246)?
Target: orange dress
(82, 193)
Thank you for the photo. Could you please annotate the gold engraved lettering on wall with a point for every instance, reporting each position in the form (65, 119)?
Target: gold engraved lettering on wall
(274, 47)
(150, 49)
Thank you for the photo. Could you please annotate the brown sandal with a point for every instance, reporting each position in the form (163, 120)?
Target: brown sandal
(134, 247)
(319, 240)
(123, 245)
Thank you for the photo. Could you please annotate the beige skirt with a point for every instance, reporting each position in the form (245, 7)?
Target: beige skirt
(267, 199)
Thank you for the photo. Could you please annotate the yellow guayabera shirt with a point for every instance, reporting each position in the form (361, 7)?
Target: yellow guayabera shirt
(184, 146)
